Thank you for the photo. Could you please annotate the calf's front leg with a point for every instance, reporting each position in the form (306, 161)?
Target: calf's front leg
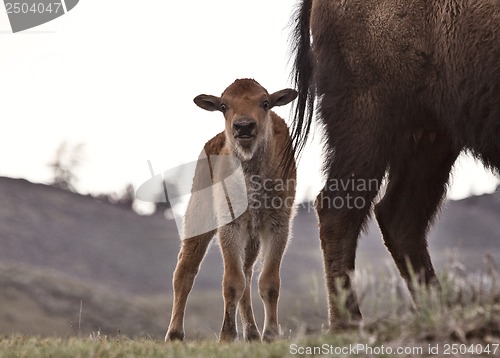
(190, 256)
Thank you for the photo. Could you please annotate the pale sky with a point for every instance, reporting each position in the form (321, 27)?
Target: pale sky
(120, 76)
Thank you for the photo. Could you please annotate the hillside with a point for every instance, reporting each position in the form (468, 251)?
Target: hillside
(59, 248)
(93, 241)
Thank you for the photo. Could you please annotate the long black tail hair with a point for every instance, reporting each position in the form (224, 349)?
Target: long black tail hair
(302, 77)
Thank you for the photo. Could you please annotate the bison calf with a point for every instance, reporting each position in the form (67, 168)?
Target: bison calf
(259, 141)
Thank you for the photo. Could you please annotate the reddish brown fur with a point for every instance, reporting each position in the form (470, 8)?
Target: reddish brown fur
(260, 147)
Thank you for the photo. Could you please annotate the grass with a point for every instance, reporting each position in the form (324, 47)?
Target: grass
(118, 347)
(35, 347)
(355, 343)
(465, 312)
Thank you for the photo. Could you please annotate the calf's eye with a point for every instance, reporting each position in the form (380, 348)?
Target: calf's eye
(223, 107)
(265, 105)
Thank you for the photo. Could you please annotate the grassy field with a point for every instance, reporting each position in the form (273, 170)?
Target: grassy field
(325, 346)
(462, 319)
(33, 347)
(353, 343)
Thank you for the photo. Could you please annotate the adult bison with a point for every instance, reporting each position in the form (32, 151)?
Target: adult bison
(401, 87)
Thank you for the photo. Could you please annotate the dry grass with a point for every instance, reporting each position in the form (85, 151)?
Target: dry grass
(466, 310)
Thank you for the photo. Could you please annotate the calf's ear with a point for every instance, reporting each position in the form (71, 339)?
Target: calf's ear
(207, 102)
(282, 97)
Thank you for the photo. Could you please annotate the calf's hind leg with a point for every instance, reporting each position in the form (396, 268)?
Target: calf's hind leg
(273, 241)
(190, 256)
(234, 282)
(250, 330)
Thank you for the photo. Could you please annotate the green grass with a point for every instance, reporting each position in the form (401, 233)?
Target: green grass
(117, 347)
(346, 344)
(34, 347)
(464, 312)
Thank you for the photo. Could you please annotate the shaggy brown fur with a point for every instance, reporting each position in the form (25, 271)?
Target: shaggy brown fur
(259, 138)
(402, 87)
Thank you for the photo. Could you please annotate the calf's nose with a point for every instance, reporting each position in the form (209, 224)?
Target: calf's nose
(244, 127)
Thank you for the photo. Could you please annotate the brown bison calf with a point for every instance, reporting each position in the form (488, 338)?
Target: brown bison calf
(257, 139)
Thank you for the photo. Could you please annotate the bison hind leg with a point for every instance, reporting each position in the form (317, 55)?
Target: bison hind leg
(418, 178)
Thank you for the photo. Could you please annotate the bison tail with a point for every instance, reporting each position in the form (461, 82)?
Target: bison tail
(302, 76)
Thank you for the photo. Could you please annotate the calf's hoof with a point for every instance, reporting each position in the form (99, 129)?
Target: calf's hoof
(341, 324)
(227, 337)
(270, 335)
(252, 335)
(174, 336)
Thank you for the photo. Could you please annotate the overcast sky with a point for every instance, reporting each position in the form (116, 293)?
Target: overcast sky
(120, 76)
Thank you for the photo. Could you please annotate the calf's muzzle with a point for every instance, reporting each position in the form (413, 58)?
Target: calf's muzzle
(245, 128)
